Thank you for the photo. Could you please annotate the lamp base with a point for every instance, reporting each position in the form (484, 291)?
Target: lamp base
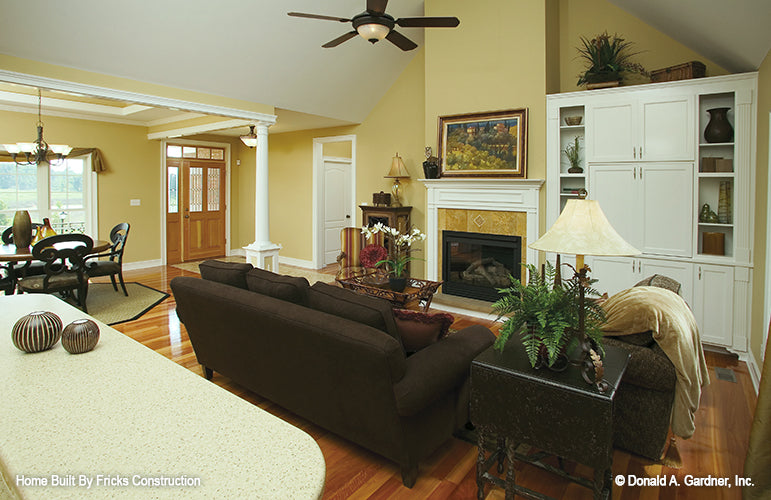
(395, 192)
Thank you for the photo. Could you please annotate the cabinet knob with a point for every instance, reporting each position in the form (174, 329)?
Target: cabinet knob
(347, 216)
(634, 153)
(641, 152)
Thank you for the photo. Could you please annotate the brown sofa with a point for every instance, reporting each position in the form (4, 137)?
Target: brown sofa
(332, 357)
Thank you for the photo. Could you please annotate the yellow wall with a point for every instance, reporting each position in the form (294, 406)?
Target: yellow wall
(394, 125)
(758, 326)
(590, 17)
(132, 173)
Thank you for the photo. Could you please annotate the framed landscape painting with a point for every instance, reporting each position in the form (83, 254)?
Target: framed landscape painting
(490, 144)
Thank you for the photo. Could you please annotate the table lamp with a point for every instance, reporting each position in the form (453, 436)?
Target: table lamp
(582, 229)
(398, 171)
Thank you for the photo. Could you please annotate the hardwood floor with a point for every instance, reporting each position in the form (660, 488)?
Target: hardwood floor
(717, 448)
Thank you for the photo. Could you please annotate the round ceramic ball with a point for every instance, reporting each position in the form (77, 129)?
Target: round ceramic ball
(37, 331)
(80, 336)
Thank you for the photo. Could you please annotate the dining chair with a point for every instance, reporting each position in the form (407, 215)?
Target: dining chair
(63, 257)
(10, 271)
(114, 265)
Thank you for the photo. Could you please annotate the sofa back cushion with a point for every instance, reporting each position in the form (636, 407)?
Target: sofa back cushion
(371, 311)
(289, 288)
(228, 273)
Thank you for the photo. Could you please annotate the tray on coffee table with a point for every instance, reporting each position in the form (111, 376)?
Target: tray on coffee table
(418, 292)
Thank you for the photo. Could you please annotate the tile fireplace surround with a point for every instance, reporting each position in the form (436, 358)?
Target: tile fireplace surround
(481, 205)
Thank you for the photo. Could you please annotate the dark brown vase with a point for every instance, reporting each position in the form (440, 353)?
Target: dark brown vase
(22, 229)
(718, 129)
(397, 284)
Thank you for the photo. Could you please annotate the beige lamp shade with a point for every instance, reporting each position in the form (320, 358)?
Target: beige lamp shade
(398, 170)
(583, 229)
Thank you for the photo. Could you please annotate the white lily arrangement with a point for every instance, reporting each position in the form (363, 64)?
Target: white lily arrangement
(402, 242)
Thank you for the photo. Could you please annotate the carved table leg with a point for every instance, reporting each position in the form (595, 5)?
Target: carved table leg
(511, 447)
(480, 464)
(501, 451)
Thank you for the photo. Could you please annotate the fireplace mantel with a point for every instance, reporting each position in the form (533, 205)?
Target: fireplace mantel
(495, 194)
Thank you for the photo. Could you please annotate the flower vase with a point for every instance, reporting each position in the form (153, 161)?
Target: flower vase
(724, 203)
(397, 284)
(719, 128)
(43, 231)
(22, 229)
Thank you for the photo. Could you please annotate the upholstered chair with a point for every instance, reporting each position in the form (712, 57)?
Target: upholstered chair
(351, 244)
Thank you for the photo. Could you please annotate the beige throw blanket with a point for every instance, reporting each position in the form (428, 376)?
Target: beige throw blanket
(647, 308)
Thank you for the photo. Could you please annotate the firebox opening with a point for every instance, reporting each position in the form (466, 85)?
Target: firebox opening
(475, 265)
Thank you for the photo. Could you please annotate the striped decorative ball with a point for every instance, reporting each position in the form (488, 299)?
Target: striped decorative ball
(37, 331)
(80, 336)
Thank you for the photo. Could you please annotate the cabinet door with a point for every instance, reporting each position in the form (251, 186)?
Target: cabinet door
(682, 272)
(616, 189)
(613, 274)
(611, 131)
(667, 206)
(667, 129)
(713, 303)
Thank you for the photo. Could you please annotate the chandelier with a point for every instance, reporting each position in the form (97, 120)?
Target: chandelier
(39, 151)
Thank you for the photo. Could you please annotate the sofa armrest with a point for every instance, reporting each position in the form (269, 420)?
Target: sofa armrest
(439, 368)
(648, 367)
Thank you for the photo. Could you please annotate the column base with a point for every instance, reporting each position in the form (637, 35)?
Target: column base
(256, 253)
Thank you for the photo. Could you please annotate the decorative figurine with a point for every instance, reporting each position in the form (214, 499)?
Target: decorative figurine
(707, 215)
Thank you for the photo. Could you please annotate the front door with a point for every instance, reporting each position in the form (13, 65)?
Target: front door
(337, 204)
(195, 218)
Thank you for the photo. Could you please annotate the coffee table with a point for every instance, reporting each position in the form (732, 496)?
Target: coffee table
(126, 417)
(418, 292)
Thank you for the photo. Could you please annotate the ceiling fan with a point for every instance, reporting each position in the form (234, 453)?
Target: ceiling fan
(374, 25)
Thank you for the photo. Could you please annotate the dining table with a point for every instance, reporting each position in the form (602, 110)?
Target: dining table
(10, 253)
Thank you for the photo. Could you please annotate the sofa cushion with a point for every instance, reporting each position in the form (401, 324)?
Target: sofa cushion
(371, 311)
(418, 329)
(290, 288)
(643, 339)
(229, 273)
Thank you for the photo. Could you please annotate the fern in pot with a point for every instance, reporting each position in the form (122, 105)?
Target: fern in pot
(545, 313)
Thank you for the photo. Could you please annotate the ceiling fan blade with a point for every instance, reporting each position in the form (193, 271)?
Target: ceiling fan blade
(342, 38)
(400, 40)
(428, 22)
(316, 16)
(377, 6)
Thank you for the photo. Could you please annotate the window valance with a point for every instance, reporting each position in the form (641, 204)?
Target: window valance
(97, 159)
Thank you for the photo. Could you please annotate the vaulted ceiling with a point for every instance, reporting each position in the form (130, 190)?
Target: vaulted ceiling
(251, 49)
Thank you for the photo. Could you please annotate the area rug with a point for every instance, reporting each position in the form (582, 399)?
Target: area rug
(111, 307)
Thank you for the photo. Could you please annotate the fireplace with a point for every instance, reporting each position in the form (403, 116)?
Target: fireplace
(474, 265)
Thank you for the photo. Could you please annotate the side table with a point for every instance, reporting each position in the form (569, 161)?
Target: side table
(555, 412)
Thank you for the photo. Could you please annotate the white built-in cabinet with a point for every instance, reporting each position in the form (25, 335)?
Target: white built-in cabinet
(643, 157)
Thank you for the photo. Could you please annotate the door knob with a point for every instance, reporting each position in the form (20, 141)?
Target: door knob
(347, 216)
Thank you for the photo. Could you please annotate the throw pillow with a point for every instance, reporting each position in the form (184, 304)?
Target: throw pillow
(661, 281)
(419, 329)
(371, 311)
(290, 288)
(228, 273)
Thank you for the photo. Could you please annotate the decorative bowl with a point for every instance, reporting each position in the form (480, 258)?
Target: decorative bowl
(573, 120)
(80, 336)
(37, 331)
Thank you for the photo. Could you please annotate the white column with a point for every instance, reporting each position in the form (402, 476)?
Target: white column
(262, 248)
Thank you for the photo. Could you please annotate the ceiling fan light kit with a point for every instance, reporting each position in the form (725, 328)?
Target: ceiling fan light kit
(374, 25)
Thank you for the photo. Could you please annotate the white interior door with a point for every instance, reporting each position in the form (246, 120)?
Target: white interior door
(337, 204)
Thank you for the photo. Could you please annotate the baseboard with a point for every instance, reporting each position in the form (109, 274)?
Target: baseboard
(465, 312)
(290, 261)
(132, 266)
(237, 251)
(753, 368)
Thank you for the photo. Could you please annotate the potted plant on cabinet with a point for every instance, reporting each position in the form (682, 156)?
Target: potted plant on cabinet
(571, 153)
(399, 256)
(606, 56)
(545, 313)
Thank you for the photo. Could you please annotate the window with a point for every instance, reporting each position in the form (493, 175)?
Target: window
(62, 193)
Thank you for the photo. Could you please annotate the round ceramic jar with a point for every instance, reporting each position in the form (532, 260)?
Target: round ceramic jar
(37, 331)
(80, 336)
